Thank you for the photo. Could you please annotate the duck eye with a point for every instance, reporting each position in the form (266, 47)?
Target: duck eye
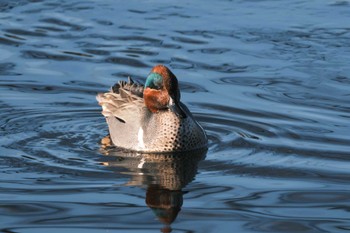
(154, 81)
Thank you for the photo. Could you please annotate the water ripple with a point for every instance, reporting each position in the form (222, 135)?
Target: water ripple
(126, 61)
(64, 24)
(46, 55)
(45, 146)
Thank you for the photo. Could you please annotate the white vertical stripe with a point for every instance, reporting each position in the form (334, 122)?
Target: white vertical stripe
(140, 139)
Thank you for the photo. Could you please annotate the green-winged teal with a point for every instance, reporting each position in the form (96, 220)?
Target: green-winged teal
(151, 118)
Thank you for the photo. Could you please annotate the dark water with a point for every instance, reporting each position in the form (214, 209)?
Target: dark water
(268, 80)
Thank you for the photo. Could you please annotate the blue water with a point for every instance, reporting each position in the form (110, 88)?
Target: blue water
(268, 80)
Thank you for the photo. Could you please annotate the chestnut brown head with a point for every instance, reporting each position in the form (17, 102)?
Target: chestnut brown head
(162, 92)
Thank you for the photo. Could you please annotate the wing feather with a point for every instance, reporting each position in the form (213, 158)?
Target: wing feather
(123, 101)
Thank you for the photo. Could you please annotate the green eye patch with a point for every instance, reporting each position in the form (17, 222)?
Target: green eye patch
(154, 81)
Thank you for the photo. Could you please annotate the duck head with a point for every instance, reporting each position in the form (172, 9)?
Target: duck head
(162, 92)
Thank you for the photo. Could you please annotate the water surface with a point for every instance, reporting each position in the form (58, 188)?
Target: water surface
(268, 80)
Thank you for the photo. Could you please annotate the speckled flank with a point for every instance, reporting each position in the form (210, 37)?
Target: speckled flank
(177, 134)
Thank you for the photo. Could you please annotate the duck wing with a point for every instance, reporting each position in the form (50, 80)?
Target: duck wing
(134, 88)
(124, 101)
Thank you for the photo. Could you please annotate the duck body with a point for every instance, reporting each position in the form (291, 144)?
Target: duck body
(151, 118)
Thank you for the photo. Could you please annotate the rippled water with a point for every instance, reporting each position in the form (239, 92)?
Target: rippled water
(268, 80)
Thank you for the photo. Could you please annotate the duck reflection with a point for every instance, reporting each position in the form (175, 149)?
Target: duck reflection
(164, 176)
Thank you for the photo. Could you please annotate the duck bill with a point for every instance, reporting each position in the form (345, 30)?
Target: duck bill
(176, 108)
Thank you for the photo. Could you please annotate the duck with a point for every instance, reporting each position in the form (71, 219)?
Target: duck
(150, 118)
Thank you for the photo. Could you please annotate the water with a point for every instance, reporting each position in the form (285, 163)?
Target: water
(268, 80)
